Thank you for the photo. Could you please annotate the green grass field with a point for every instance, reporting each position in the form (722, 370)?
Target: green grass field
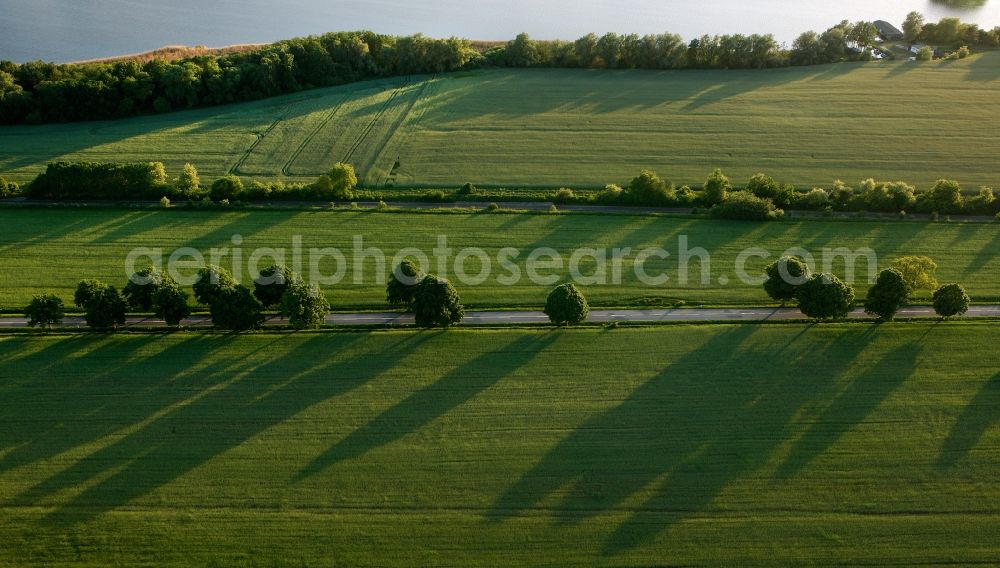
(50, 250)
(582, 128)
(781, 444)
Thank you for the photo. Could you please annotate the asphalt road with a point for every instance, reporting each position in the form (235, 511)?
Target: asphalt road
(528, 317)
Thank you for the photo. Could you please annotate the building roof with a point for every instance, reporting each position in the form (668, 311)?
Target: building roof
(887, 30)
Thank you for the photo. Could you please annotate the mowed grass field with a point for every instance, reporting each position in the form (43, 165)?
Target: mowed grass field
(50, 250)
(578, 128)
(781, 444)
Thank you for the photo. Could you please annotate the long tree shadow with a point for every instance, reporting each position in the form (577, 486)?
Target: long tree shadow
(680, 438)
(236, 402)
(981, 414)
(424, 406)
(851, 407)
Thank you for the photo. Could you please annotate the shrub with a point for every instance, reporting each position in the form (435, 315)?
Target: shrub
(209, 281)
(816, 199)
(89, 180)
(951, 300)
(825, 297)
(984, 203)
(466, 190)
(381, 205)
(763, 186)
(611, 193)
(343, 179)
(140, 288)
(436, 303)
(236, 308)
(8, 188)
(717, 187)
(435, 196)
(227, 188)
(566, 305)
(745, 206)
(841, 194)
(105, 309)
(564, 195)
(889, 293)
(944, 198)
(963, 52)
(165, 202)
(272, 283)
(648, 189)
(45, 311)
(553, 209)
(305, 306)
(403, 281)
(887, 196)
(188, 183)
(785, 276)
(170, 302)
(925, 54)
(492, 207)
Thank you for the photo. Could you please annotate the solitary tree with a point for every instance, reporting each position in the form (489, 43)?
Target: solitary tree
(717, 187)
(45, 311)
(305, 306)
(825, 297)
(170, 302)
(105, 309)
(140, 288)
(784, 277)
(210, 280)
(889, 293)
(917, 271)
(951, 300)
(272, 283)
(403, 282)
(436, 303)
(236, 308)
(566, 305)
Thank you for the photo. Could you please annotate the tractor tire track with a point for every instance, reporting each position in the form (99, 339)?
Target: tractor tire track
(371, 125)
(287, 168)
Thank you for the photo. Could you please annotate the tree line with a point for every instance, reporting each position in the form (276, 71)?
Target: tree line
(823, 296)
(38, 92)
(760, 198)
(434, 302)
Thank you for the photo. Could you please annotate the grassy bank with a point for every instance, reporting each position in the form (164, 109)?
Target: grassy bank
(677, 445)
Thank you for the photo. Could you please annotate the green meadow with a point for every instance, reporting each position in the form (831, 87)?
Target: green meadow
(579, 128)
(678, 445)
(50, 250)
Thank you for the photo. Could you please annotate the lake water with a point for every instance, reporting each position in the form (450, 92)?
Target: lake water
(68, 30)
